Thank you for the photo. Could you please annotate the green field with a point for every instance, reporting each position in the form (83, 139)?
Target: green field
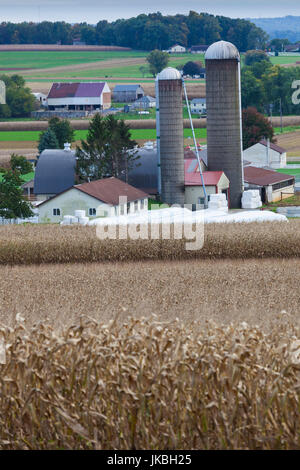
(33, 136)
(25, 178)
(47, 59)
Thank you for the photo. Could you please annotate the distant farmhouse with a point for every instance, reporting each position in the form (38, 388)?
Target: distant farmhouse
(127, 93)
(261, 155)
(198, 106)
(176, 49)
(79, 96)
(145, 102)
(99, 198)
(41, 98)
(198, 49)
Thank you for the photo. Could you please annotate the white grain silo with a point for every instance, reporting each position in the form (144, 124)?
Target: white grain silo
(169, 127)
(224, 116)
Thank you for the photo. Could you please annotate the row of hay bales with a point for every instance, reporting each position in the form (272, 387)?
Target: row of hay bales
(148, 384)
(38, 244)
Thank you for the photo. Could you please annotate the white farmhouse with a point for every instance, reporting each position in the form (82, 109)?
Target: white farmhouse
(263, 155)
(198, 106)
(176, 49)
(101, 198)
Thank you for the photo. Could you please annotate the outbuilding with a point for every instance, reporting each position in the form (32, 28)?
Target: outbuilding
(265, 154)
(127, 93)
(215, 182)
(273, 186)
(101, 198)
(145, 102)
(54, 173)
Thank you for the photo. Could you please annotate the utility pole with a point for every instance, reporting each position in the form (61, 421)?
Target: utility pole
(281, 125)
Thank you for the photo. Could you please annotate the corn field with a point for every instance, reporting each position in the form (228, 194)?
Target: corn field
(55, 244)
(149, 384)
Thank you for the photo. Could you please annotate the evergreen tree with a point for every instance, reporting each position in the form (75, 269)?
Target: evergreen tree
(63, 131)
(47, 140)
(12, 203)
(107, 151)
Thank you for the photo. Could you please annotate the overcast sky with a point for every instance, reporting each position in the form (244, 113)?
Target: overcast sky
(92, 11)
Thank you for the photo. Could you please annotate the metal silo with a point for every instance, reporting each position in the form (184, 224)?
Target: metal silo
(224, 116)
(169, 126)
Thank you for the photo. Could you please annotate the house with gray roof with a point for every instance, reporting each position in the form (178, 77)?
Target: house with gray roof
(54, 173)
(127, 93)
(145, 102)
(198, 106)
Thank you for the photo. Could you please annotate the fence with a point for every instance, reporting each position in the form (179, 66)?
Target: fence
(32, 220)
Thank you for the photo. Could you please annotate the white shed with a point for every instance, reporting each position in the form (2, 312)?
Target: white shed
(263, 155)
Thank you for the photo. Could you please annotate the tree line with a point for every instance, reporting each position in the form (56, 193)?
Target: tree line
(144, 32)
(268, 87)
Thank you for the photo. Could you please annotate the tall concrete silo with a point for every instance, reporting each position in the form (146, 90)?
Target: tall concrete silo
(169, 127)
(224, 116)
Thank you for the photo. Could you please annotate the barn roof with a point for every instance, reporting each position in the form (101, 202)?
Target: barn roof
(262, 177)
(55, 171)
(76, 90)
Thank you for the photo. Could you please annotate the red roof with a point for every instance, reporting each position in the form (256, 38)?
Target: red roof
(109, 190)
(192, 176)
(262, 177)
(78, 90)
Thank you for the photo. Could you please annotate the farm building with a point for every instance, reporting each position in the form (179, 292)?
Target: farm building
(79, 96)
(55, 172)
(198, 105)
(216, 182)
(127, 93)
(263, 155)
(145, 102)
(41, 98)
(198, 49)
(28, 190)
(273, 186)
(176, 49)
(101, 198)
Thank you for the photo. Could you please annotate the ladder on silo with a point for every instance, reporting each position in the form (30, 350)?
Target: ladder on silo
(196, 146)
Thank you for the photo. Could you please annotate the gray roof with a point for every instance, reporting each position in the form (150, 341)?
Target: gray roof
(146, 98)
(55, 171)
(199, 100)
(126, 87)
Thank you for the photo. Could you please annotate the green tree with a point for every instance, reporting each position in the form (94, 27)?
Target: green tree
(107, 151)
(12, 203)
(20, 101)
(47, 140)
(255, 56)
(157, 60)
(191, 68)
(255, 127)
(20, 164)
(63, 131)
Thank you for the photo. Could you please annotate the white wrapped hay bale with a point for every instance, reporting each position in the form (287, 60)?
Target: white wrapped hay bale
(218, 202)
(83, 220)
(251, 199)
(79, 214)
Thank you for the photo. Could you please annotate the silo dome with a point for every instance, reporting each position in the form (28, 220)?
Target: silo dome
(222, 50)
(169, 73)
